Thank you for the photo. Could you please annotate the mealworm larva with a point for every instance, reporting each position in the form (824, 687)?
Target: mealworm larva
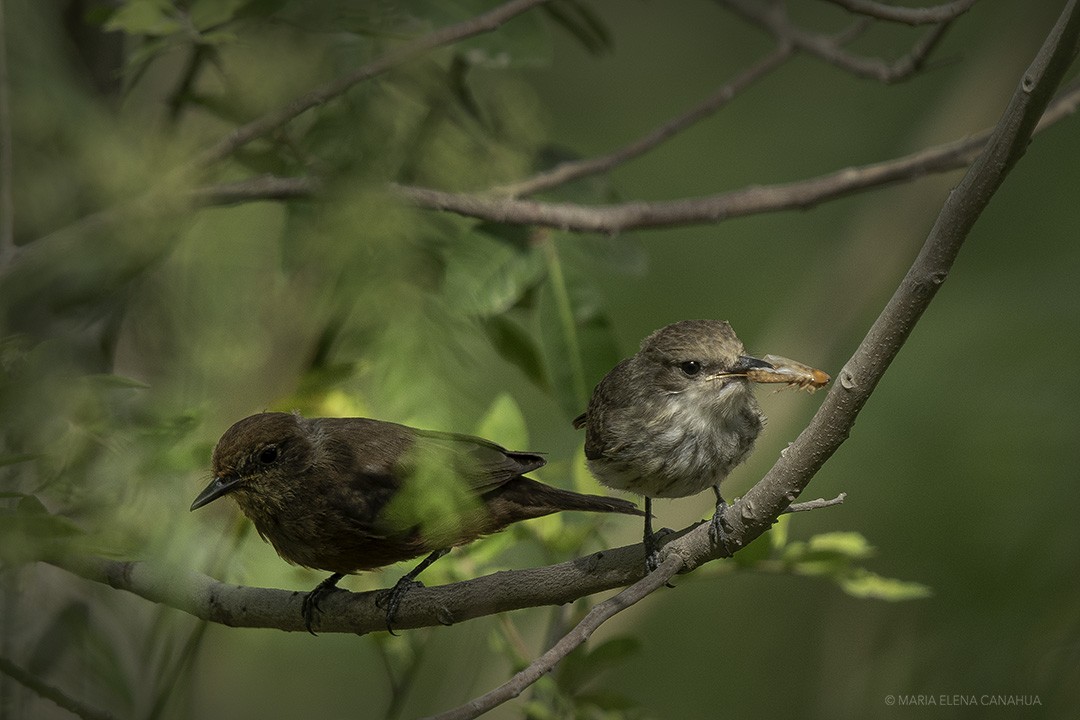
(788, 371)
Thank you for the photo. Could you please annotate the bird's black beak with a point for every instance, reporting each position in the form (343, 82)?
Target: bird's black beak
(747, 362)
(218, 486)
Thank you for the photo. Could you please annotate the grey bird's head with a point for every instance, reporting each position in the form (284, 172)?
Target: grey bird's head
(702, 359)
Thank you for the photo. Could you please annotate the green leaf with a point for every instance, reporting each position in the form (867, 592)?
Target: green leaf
(577, 339)
(486, 274)
(516, 346)
(585, 664)
(526, 42)
(14, 459)
(582, 22)
(116, 381)
(846, 544)
(27, 526)
(757, 551)
(145, 17)
(862, 583)
(206, 14)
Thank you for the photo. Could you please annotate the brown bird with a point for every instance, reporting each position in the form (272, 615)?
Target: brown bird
(351, 494)
(677, 417)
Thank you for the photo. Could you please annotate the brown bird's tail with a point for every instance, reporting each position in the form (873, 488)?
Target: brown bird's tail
(523, 498)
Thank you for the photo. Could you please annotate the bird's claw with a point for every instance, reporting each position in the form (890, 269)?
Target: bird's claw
(311, 607)
(718, 527)
(652, 548)
(390, 600)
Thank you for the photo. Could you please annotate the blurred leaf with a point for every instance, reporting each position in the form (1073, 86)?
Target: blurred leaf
(515, 345)
(27, 526)
(12, 460)
(487, 275)
(759, 550)
(582, 22)
(584, 664)
(526, 42)
(862, 583)
(847, 544)
(504, 424)
(107, 380)
(578, 342)
(98, 659)
(611, 701)
(538, 710)
(144, 17)
(206, 14)
(778, 533)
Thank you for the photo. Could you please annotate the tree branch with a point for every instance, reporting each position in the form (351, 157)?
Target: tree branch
(772, 19)
(801, 194)
(908, 16)
(581, 632)
(815, 504)
(355, 612)
(50, 692)
(573, 170)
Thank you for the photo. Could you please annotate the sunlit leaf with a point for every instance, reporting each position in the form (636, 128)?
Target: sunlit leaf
(862, 583)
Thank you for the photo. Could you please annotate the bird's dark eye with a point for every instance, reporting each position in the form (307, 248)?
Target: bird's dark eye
(690, 367)
(268, 455)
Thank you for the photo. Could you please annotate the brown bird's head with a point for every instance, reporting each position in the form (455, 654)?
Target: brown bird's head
(257, 454)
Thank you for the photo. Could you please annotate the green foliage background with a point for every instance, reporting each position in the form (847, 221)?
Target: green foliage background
(131, 342)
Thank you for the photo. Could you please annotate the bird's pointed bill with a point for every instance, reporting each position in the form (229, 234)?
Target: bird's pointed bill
(218, 486)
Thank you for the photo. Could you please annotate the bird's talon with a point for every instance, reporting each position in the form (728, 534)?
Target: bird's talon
(390, 600)
(312, 604)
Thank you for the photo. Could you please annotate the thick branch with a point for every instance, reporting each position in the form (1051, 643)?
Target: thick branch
(908, 16)
(240, 606)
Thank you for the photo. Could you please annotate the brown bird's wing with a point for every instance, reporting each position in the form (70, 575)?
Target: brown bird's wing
(479, 464)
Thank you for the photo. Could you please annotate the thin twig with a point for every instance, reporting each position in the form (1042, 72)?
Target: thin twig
(772, 20)
(600, 613)
(50, 692)
(256, 189)
(816, 504)
(908, 16)
(576, 169)
(275, 119)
